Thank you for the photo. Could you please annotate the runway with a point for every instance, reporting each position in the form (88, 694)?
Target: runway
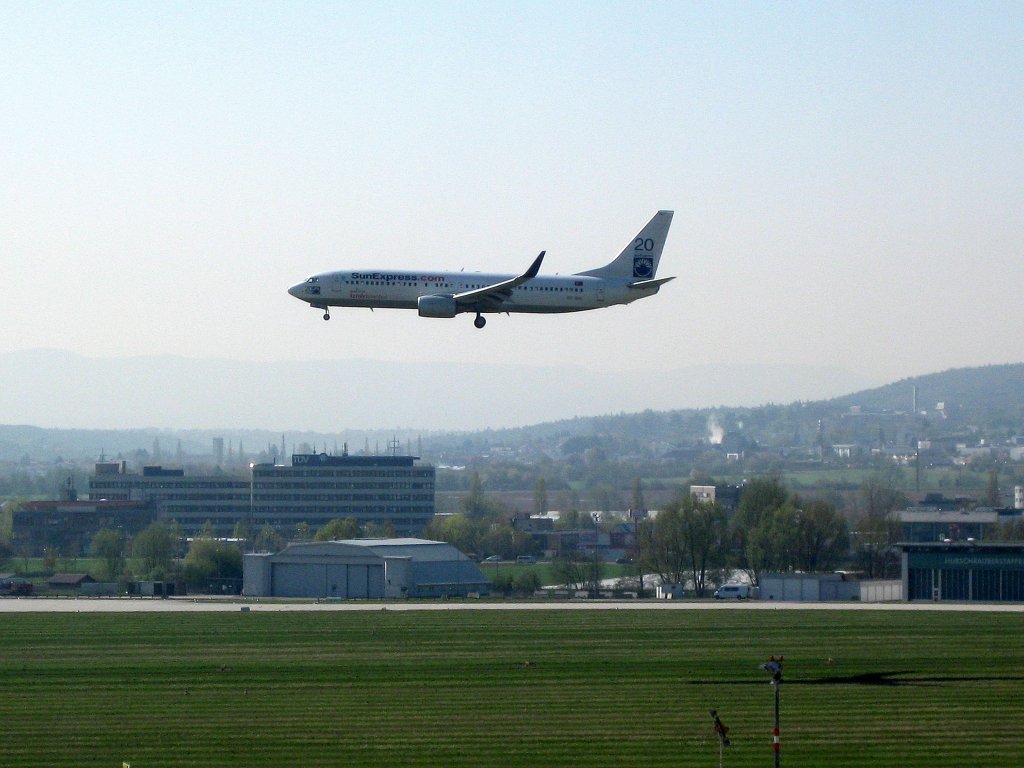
(201, 605)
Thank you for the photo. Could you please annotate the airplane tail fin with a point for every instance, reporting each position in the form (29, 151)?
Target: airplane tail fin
(639, 260)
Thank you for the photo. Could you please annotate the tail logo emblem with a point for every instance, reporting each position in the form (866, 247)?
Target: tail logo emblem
(643, 266)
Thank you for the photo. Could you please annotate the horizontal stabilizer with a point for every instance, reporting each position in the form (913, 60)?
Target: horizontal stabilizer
(650, 283)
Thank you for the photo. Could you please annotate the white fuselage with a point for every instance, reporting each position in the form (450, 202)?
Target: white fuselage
(629, 276)
(401, 289)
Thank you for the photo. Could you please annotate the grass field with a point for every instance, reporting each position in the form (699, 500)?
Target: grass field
(526, 688)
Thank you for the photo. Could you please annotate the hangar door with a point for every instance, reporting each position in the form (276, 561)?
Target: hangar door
(365, 582)
(344, 581)
(297, 580)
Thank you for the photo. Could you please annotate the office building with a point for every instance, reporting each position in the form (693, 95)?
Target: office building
(313, 490)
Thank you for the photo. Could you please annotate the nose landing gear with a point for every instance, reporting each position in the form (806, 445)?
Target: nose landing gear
(480, 321)
(327, 315)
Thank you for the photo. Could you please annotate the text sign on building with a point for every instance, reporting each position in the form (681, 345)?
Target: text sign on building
(958, 560)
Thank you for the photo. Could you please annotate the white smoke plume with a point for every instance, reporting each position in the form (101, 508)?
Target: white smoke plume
(715, 431)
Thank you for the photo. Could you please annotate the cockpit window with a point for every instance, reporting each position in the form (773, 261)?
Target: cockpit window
(313, 280)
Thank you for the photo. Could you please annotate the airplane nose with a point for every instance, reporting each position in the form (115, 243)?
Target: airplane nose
(294, 290)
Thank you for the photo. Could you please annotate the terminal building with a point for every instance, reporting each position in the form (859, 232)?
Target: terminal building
(313, 490)
(963, 571)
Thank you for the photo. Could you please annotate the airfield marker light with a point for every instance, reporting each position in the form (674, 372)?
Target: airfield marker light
(723, 735)
(774, 667)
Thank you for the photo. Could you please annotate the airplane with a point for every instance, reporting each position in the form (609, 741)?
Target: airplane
(630, 276)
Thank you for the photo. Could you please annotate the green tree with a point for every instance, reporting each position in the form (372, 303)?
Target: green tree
(992, 497)
(526, 582)
(241, 531)
(459, 530)
(820, 538)
(1012, 530)
(209, 560)
(570, 570)
(476, 504)
(268, 539)
(502, 580)
(663, 547)
(705, 535)
(879, 495)
(877, 529)
(154, 547)
(7, 510)
(338, 529)
(605, 498)
(540, 497)
(108, 545)
(593, 570)
(874, 545)
(500, 538)
(686, 542)
(769, 544)
(760, 499)
(638, 504)
(384, 529)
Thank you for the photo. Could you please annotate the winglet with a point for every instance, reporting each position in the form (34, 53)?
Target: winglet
(535, 267)
(499, 291)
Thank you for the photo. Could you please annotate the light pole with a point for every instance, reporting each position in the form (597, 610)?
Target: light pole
(252, 498)
(774, 667)
(639, 562)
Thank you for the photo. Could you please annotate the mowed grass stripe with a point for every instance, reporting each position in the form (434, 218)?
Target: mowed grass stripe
(519, 688)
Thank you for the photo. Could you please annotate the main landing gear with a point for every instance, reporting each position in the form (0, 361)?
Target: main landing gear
(480, 321)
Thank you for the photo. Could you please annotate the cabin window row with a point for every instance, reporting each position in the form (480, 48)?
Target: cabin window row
(544, 288)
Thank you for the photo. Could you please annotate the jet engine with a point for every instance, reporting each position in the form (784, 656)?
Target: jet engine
(436, 306)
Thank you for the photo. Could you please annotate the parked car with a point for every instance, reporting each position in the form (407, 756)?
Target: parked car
(734, 592)
(526, 559)
(493, 559)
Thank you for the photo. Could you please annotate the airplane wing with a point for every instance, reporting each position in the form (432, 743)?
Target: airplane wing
(493, 296)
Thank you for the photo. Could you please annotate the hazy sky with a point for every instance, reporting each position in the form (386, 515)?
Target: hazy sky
(847, 177)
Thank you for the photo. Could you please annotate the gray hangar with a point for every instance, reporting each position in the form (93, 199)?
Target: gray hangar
(367, 569)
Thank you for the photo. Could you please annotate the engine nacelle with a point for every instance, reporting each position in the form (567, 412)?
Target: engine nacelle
(436, 306)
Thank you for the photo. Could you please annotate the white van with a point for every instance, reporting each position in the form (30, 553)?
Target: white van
(734, 592)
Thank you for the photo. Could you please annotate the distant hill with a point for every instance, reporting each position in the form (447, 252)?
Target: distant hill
(972, 392)
(54, 388)
(989, 398)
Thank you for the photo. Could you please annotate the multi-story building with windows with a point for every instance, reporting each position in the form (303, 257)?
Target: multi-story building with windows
(313, 490)
(317, 488)
(66, 528)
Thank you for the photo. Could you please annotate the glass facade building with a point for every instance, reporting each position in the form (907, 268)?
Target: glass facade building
(963, 571)
(313, 490)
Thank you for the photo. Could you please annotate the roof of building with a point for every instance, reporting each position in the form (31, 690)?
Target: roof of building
(69, 579)
(420, 550)
(962, 546)
(932, 515)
